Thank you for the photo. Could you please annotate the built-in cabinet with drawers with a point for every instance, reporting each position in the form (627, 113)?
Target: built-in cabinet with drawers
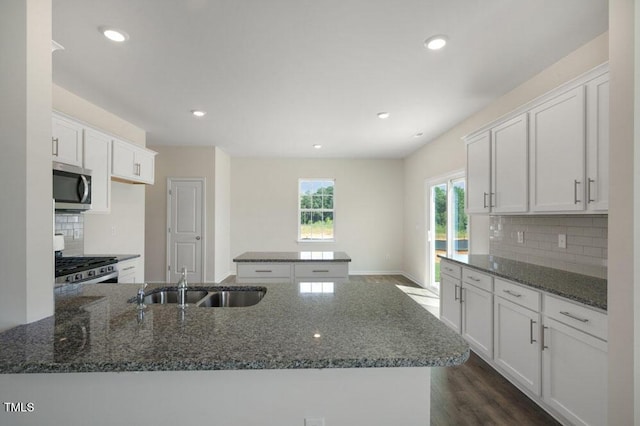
(548, 156)
(279, 272)
(78, 144)
(553, 349)
(129, 271)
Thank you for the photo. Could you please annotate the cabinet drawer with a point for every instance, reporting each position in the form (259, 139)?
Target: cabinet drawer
(264, 270)
(451, 269)
(576, 316)
(321, 270)
(517, 294)
(478, 279)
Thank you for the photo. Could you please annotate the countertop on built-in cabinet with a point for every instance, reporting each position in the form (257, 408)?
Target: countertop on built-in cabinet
(581, 288)
(356, 325)
(293, 256)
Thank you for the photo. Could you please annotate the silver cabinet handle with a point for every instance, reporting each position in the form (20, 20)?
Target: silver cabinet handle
(198, 238)
(531, 339)
(264, 270)
(473, 278)
(575, 191)
(492, 199)
(484, 200)
(462, 290)
(512, 293)
(544, 346)
(128, 268)
(589, 182)
(567, 314)
(455, 292)
(54, 146)
(320, 270)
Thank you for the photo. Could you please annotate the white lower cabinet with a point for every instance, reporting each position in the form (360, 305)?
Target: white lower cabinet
(284, 272)
(516, 346)
(450, 309)
(129, 271)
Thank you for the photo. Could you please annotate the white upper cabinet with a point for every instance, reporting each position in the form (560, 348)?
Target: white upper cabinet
(598, 144)
(509, 166)
(558, 153)
(132, 163)
(97, 158)
(478, 174)
(66, 141)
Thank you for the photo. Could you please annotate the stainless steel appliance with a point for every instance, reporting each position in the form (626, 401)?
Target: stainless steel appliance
(71, 187)
(85, 270)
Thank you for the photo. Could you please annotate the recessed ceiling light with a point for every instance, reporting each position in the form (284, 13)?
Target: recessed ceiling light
(317, 146)
(198, 113)
(114, 34)
(383, 115)
(417, 135)
(317, 335)
(436, 42)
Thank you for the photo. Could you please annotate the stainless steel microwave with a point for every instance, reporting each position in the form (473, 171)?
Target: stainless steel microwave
(71, 187)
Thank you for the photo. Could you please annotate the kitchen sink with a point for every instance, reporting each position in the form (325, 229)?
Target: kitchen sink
(232, 299)
(207, 297)
(171, 296)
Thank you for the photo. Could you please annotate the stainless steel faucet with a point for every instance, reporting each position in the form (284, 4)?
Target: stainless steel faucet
(182, 289)
(140, 297)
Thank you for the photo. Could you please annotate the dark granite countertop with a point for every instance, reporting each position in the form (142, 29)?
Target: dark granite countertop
(120, 257)
(293, 256)
(361, 325)
(585, 289)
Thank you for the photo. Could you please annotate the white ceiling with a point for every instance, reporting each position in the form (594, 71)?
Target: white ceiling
(277, 76)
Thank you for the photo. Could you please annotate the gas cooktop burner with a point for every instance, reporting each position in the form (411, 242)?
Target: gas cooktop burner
(84, 269)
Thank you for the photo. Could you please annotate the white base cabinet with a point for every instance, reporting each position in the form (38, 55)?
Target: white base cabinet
(281, 272)
(129, 271)
(450, 309)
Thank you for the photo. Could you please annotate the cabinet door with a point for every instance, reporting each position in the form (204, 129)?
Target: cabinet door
(557, 153)
(598, 144)
(574, 374)
(123, 160)
(477, 318)
(66, 141)
(516, 347)
(97, 158)
(478, 174)
(145, 166)
(450, 312)
(509, 166)
(128, 271)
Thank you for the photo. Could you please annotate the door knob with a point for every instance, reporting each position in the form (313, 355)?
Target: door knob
(198, 238)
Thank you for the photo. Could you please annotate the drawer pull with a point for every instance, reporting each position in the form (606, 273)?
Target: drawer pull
(512, 293)
(531, 339)
(320, 270)
(264, 270)
(448, 269)
(128, 268)
(473, 278)
(567, 314)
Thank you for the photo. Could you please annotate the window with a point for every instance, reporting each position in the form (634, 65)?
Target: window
(315, 209)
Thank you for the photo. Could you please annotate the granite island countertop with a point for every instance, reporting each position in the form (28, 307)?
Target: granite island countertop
(360, 325)
(293, 256)
(585, 289)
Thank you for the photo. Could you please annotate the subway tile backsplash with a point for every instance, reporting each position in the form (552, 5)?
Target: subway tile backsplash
(586, 241)
(71, 225)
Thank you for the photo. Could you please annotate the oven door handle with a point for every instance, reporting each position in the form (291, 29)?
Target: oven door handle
(85, 189)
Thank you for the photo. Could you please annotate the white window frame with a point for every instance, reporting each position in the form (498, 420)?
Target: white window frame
(333, 210)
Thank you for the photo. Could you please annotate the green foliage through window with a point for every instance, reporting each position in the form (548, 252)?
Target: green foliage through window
(316, 199)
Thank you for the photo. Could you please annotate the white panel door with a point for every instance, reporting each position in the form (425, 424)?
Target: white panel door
(186, 201)
(478, 174)
(450, 311)
(477, 318)
(598, 144)
(509, 167)
(574, 366)
(516, 347)
(557, 153)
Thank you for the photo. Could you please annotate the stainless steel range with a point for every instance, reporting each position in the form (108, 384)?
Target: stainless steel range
(86, 270)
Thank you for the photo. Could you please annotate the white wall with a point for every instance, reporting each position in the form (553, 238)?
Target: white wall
(122, 230)
(222, 216)
(368, 208)
(622, 217)
(178, 162)
(26, 228)
(446, 153)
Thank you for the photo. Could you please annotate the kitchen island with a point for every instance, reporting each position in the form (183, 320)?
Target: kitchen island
(352, 353)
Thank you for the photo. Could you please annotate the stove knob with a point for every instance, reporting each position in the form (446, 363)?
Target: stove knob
(78, 277)
(91, 273)
(102, 270)
(110, 268)
(69, 278)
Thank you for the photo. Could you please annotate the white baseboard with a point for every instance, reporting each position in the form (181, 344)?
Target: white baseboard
(414, 279)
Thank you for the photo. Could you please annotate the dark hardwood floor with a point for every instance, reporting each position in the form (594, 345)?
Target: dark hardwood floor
(470, 394)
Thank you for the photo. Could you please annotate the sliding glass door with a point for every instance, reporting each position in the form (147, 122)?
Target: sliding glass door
(448, 223)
